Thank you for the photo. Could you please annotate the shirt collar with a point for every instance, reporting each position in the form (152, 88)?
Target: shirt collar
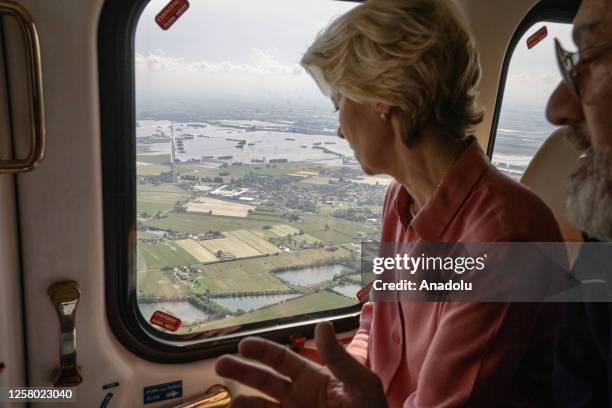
(434, 218)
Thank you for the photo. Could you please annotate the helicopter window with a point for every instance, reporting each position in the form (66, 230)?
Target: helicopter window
(249, 208)
(532, 76)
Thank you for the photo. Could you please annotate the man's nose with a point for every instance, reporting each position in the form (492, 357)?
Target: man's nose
(564, 107)
(340, 135)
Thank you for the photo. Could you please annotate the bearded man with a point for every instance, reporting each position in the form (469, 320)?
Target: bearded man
(583, 104)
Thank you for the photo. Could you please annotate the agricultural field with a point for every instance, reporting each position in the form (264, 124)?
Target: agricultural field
(317, 180)
(327, 209)
(265, 234)
(167, 253)
(150, 169)
(151, 158)
(305, 238)
(340, 231)
(250, 275)
(237, 276)
(374, 180)
(230, 245)
(316, 302)
(213, 206)
(196, 250)
(284, 230)
(152, 198)
(254, 240)
(159, 283)
(201, 223)
(278, 169)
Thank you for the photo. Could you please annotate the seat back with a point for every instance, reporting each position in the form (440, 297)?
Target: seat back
(547, 175)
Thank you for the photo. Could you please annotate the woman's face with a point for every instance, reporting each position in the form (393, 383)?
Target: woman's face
(370, 136)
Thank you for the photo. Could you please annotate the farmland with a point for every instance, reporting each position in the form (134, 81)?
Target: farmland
(254, 241)
(214, 206)
(200, 223)
(196, 250)
(250, 231)
(316, 302)
(152, 198)
(230, 245)
(167, 253)
(150, 169)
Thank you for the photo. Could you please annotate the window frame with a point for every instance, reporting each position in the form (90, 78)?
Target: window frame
(554, 11)
(116, 51)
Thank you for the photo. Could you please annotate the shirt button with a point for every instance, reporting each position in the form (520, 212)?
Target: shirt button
(396, 338)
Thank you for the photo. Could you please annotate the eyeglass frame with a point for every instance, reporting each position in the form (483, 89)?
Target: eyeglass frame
(571, 63)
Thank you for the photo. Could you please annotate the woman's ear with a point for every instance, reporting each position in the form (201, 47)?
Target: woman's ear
(382, 109)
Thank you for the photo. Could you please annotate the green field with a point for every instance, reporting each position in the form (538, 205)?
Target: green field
(159, 283)
(152, 198)
(152, 208)
(316, 180)
(237, 276)
(150, 169)
(306, 238)
(152, 158)
(255, 241)
(279, 169)
(340, 231)
(154, 256)
(242, 275)
(250, 275)
(316, 302)
(201, 223)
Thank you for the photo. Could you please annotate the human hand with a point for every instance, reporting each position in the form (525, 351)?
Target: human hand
(297, 382)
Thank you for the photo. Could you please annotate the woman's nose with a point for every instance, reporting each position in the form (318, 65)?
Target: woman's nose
(564, 107)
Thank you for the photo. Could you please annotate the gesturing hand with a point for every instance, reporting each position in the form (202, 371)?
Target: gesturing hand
(296, 382)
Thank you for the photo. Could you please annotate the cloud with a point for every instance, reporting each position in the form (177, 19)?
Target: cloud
(262, 63)
(548, 78)
(522, 77)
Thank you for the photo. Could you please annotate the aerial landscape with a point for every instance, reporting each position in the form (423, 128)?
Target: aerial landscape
(248, 220)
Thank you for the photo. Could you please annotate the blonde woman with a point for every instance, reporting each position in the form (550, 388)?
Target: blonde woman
(403, 75)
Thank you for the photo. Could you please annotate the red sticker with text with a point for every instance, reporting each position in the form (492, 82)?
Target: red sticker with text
(537, 37)
(363, 294)
(166, 321)
(171, 13)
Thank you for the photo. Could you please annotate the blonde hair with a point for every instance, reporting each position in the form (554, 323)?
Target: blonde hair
(411, 54)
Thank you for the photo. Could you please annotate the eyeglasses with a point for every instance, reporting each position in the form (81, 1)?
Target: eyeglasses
(571, 64)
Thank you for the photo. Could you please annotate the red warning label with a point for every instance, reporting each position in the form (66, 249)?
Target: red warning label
(166, 321)
(364, 293)
(171, 13)
(537, 37)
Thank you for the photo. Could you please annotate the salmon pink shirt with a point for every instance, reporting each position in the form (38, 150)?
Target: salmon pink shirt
(452, 354)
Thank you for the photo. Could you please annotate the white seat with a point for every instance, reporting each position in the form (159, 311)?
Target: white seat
(547, 176)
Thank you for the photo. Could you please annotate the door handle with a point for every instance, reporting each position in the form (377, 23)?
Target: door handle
(216, 396)
(35, 89)
(65, 297)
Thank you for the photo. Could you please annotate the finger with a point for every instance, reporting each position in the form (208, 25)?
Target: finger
(274, 355)
(248, 401)
(255, 376)
(338, 360)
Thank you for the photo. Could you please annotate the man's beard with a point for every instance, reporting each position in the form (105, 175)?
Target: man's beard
(589, 191)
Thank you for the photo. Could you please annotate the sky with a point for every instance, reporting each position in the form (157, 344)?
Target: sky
(233, 47)
(237, 48)
(533, 74)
